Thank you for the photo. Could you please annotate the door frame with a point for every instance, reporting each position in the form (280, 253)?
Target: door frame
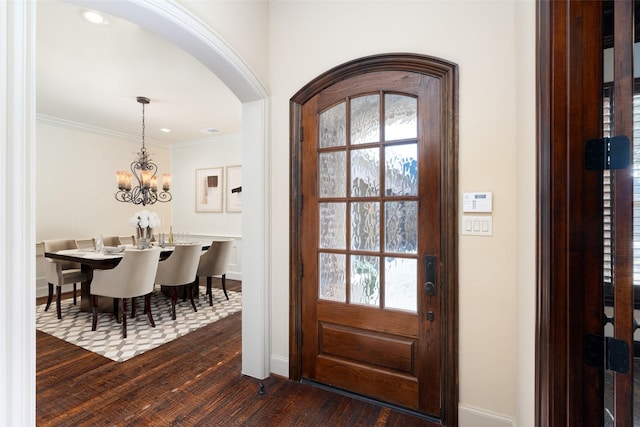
(447, 72)
(569, 201)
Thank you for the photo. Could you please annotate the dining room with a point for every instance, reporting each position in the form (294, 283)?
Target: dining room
(196, 167)
(75, 148)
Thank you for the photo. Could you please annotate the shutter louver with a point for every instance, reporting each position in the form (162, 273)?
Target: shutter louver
(607, 197)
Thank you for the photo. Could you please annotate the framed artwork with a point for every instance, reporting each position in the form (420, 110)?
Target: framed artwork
(234, 188)
(209, 191)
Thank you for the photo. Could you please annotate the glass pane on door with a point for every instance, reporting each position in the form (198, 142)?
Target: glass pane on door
(400, 277)
(368, 202)
(365, 280)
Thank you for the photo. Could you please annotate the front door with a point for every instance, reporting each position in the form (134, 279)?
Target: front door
(374, 265)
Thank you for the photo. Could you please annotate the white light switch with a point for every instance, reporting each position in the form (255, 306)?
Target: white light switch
(477, 225)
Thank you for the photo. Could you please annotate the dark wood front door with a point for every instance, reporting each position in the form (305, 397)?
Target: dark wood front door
(374, 268)
(585, 359)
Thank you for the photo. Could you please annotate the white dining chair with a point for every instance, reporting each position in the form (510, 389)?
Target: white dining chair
(132, 277)
(86, 243)
(127, 240)
(60, 272)
(179, 270)
(215, 262)
(111, 241)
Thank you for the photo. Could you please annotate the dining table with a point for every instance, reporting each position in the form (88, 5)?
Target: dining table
(90, 260)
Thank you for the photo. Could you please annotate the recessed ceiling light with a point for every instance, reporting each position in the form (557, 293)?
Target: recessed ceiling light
(210, 130)
(165, 130)
(94, 17)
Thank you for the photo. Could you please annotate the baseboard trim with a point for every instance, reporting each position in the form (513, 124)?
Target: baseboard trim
(470, 416)
(280, 365)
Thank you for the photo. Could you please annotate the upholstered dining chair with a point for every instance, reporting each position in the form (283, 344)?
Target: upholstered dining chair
(132, 277)
(60, 273)
(127, 240)
(86, 243)
(179, 270)
(111, 241)
(215, 262)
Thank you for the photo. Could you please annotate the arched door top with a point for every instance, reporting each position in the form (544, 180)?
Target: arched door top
(418, 63)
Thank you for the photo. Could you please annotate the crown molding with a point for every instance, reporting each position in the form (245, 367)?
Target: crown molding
(83, 127)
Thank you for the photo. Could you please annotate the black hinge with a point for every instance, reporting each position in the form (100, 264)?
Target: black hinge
(607, 153)
(301, 133)
(301, 270)
(616, 352)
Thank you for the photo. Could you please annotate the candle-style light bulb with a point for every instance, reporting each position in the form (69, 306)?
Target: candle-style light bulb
(146, 178)
(166, 181)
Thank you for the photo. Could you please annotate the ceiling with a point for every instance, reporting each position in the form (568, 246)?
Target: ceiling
(91, 74)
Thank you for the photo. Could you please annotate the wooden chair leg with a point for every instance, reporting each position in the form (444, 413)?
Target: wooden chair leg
(94, 306)
(50, 297)
(174, 298)
(147, 308)
(134, 306)
(190, 292)
(224, 285)
(74, 294)
(58, 297)
(116, 309)
(209, 280)
(124, 317)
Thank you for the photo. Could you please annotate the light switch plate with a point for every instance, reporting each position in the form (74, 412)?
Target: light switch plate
(477, 225)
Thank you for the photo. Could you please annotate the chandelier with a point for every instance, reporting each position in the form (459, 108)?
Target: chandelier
(145, 192)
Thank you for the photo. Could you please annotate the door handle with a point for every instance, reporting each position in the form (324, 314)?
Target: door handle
(430, 275)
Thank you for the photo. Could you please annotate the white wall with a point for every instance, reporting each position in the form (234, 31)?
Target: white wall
(76, 182)
(185, 159)
(526, 214)
(244, 25)
(308, 38)
(215, 152)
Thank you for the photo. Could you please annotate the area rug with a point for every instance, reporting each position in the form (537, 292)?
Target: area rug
(106, 340)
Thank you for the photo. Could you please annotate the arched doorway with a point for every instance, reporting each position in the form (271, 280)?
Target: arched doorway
(175, 24)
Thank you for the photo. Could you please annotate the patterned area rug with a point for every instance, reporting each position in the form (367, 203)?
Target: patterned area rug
(75, 326)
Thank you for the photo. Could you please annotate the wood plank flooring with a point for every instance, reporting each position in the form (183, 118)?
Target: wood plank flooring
(194, 380)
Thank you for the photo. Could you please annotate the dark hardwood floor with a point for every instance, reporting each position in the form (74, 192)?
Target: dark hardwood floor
(194, 380)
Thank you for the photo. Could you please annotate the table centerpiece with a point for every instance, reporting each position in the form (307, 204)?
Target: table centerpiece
(144, 223)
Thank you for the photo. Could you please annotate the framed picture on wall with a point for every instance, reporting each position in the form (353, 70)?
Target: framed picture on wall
(209, 191)
(234, 188)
